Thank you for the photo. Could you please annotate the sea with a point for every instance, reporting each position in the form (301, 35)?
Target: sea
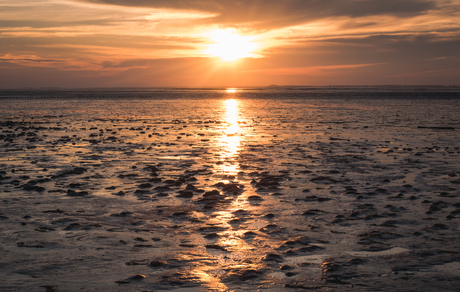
(278, 188)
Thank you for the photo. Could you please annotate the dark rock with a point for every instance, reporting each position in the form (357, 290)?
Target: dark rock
(389, 223)
(375, 216)
(137, 277)
(151, 168)
(212, 229)
(211, 236)
(286, 268)
(271, 257)
(378, 191)
(22, 244)
(75, 185)
(392, 208)
(212, 199)
(162, 188)
(73, 193)
(433, 208)
(439, 226)
(158, 264)
(33, 188)
(215, 246)
(57, 211)
(73, 226)
(455, 212)
(356, 262)
(313, 212)
(310, 248)
(50, 288)
(269, 228)
(436, 206)
(128, 175)
(120, 193)
(122, 214)
(211, 194)
(185, 194)
(73, 171)
(447, 195)
(255, 198)
(435, 128)
(232, 188)
(141, 192)
(329, 267)
(242, 275)
(296, 242)
(269, 181)
(171, 182)
(235, 221)
(44, 229)
(316, 199)
(323, 179)
(145, 185)
(178, 214)
(249, 234)
(240, 213)
(136, 262)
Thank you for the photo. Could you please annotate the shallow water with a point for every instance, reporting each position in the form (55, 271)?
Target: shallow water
(212, 190)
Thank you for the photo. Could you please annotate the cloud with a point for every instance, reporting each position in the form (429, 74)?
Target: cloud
(316, 70)
(25, 59)
(163, 43)
(280, 13)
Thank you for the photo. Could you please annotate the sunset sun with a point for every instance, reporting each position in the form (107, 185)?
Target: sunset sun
(230, 46)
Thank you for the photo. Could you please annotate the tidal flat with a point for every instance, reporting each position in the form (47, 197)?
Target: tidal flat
(226, 190)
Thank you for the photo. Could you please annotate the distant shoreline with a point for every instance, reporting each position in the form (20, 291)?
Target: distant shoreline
(272, 87)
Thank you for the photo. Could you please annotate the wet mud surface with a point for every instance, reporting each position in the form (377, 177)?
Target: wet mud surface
(230, 194)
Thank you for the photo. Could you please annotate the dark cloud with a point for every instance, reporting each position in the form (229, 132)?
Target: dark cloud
(27, 60)
(47, 24)
(276, 13)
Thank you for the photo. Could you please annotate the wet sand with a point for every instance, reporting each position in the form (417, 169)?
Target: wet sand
(230, 194)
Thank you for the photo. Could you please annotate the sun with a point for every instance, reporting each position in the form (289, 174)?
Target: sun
(230, 46)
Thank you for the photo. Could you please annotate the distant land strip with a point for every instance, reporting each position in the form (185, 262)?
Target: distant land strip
(436, 128)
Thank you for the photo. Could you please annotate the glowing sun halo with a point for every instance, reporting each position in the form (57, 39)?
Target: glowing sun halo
(230, 46)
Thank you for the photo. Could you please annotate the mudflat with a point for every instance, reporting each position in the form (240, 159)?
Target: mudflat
(209, 191)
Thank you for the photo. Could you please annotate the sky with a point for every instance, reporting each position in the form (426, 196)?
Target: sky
(233, 43)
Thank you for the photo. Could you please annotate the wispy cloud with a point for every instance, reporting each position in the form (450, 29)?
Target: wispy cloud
(314, 70)
(281, 13)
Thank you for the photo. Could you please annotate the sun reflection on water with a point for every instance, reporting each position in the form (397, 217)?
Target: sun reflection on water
(236, 251)
(230, 141)
(231, 250)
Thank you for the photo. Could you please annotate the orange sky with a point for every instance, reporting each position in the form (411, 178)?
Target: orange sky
(149, 43)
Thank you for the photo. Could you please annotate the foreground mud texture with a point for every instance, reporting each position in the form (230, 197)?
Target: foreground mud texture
(229, 194)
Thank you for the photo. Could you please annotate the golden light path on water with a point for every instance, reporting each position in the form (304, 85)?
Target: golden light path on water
(238, 250)
(230, 141)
